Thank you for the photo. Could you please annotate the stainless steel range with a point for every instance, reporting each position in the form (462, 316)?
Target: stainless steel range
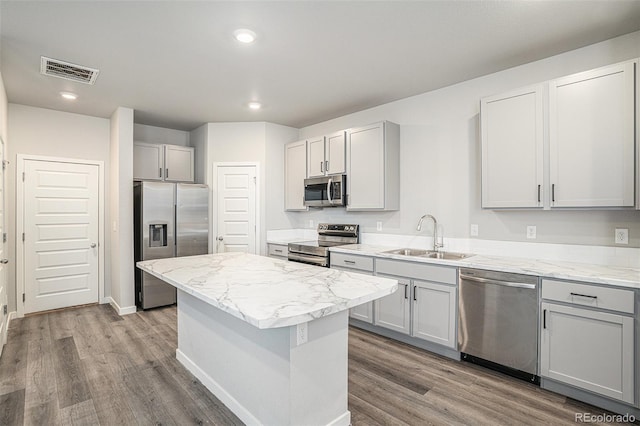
(329, 235)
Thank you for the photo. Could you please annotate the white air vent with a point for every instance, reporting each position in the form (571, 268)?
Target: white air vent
(68, 71)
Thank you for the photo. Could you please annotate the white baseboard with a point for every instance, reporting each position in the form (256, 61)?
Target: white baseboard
(121, 311)
(213, 386)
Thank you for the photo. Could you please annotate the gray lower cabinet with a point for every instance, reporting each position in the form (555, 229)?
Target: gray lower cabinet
(361, 265)
(587, 337)
(425, 305)
(434, 312)
(394, 311)
(278, 251)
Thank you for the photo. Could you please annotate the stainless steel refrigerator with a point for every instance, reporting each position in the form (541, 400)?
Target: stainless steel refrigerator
(170, 220)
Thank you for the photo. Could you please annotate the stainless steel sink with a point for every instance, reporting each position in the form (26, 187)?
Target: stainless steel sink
(444, 255)
(408, 252)
(447, 255)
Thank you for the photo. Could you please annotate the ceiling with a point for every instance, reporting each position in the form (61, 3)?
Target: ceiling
(177, 65)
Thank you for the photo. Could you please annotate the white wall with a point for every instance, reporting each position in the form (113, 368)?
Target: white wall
(121, 207)
(199, 140)
(276, 137)
(440, 159)
(160, 135)
(256, 142)
(233, 143)
(45, 132)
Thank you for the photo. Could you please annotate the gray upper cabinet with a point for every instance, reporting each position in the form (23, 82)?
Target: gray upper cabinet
(567, 143)
(179, 163)
(170, 163)
(148, 161)
(591, 138)
(295, 171)
(326, 155)
(373, 167)
(512, 149)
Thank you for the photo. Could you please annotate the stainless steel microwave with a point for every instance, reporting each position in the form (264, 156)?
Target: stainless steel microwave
(325, 191)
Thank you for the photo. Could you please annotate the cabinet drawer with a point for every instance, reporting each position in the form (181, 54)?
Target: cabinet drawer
(421, 271)
(352, 262)
(589, 295)
(278, 250)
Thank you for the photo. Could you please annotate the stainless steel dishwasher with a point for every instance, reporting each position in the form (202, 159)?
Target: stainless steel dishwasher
(498, 321)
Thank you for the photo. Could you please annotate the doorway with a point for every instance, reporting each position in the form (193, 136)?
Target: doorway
(236, 205)
(59, 235)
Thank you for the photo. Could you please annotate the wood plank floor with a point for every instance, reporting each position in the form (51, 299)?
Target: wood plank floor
(89, 366)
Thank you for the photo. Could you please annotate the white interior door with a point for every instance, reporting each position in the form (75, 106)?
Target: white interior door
(236, 209)
(61, 232)
(3, 256)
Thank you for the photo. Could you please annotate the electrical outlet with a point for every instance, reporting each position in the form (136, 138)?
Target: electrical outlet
(531, 232)
(622, 236)
(473, 230)
(302, 331)
(310, 223)
(378, 226)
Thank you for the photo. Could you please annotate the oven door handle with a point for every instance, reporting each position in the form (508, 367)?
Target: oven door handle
(316, 260)
(329, 184)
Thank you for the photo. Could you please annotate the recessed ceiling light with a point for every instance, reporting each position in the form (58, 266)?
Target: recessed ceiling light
(68, 95)
(255, 105)
(244, 36)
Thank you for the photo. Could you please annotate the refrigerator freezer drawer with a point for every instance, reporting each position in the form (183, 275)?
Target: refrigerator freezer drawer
(156, 292)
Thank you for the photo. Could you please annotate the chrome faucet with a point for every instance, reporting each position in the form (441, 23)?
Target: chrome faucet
(436, 245)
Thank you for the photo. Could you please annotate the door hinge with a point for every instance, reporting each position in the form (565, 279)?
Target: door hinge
(23, 176)
(255, 180)
(4, 309)
(23, 236)
(4, 237)
(4, 164)
(23, 297)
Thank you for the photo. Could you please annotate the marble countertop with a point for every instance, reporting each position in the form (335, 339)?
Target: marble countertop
(618, 276)
(267, 292)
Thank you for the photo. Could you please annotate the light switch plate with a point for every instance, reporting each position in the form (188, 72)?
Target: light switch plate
(473, 230)
(622, 236)
(531, 232)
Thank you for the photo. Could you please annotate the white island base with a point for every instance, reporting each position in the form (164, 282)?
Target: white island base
(263, 375)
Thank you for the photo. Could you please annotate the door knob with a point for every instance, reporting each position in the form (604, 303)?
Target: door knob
(93, 245)
(4, 261)
(220, 238)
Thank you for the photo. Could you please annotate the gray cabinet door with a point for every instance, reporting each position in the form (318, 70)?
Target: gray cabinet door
(512, 149)
(588, 349)
(591, 138)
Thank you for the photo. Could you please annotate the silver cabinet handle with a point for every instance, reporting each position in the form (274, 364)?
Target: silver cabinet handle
(326, 166)
(220, 238)
(583, 295)
(166, 173)
(4, 261)
(93, 245)
(350, 262)
(160, 172)
(321, 164)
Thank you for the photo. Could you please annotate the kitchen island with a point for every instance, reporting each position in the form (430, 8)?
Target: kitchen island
(268, 337)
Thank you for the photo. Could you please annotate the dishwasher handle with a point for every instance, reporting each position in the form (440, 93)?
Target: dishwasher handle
(498, 282)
